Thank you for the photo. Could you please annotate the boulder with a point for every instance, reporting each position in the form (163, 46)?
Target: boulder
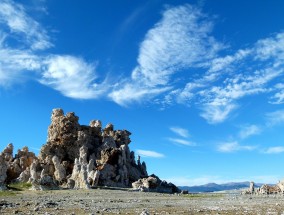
(154, 184)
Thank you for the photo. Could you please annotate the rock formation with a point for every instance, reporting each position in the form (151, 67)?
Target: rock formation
(14, 168)
(265, 189)
(154, 184)
(76, 156)
(3, 171)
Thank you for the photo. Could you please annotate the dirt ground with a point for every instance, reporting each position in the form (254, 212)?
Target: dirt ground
(104, 201)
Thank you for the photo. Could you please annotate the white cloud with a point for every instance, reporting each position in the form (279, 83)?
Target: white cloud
(15, 17)
(132, 92)
(180, 40)
(278, 98)
(272, 47)
(275, 118)
(220, 100)
(174, 48)
(72, 76)
(274, 150)
(230, 78)
(146, 153)
(225, 63)
(217, 113)
(18, 61)
(180, 131)
(181, 141)
(233, 147)
(249, 130)
(14, 65)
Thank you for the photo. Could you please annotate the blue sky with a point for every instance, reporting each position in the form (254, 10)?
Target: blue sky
(198, 83)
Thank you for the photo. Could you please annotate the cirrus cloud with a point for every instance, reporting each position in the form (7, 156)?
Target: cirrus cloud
(147, 153)
(234, 147)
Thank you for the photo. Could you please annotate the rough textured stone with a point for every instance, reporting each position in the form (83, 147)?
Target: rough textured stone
(154, 184)
(93, 156)
(265, 189)
(3, 171)
(15, 166)
(60, 172)
(78, 156)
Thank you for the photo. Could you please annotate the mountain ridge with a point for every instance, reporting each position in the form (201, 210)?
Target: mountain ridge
(213, 187)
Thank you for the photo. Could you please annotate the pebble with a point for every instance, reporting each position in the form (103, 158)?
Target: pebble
(145, 212)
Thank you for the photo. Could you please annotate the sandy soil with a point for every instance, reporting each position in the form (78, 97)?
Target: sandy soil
(102, 201)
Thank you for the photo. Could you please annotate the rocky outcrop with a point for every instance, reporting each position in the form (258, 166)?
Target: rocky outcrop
(14, 168)
(81, 156)
(75, 156)
(265, 189)
(3, 171)
(154, 184)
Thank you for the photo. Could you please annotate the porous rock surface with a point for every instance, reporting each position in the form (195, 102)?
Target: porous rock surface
(154, 184)
(265, 189)
(15, 168)
(75, 156)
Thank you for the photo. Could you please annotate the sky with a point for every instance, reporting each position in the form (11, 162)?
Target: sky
(199, 84)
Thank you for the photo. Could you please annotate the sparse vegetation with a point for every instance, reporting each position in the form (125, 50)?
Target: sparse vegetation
(204, 195)
(19, 186)
(7, 193)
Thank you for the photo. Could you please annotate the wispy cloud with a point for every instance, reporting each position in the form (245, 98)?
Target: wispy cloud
(15, 17)
(180, 40)
(181, 141)
(180, 131)
(229, 79)
(274, 150)
(14, 65)
(171, 52)
(249, 130)
(134, 93)
(233, 147)
(216, 113)
(146, 153)
(20, 38)
(278, 98)
(72, 76)
(275, 118)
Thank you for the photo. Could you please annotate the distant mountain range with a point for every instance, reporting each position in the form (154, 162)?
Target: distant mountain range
(212, 187)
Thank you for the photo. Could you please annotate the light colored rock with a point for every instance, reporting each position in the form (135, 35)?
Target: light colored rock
(96, 178)
(83, 155)
(24, 176)
(280, 184)
(154, 184)
(96, 123)
(8, 152)
(60, 172)
(34, 175)
(264, 189)
(76, 156)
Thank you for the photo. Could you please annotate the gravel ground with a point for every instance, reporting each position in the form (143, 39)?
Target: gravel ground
(103, 201)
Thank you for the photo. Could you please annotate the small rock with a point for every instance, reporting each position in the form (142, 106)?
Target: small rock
(184, 192)
(145, 213)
